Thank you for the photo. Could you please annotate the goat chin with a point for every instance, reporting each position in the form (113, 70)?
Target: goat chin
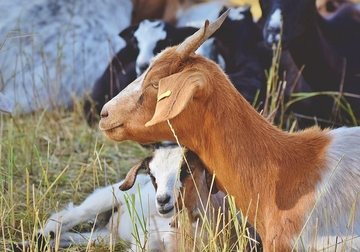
(166, 215)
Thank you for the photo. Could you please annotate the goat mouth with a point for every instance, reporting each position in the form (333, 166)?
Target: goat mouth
(109, 128)
(166, 211)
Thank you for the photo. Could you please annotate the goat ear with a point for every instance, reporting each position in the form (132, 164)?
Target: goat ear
(129, 180)
(128, 33)
(210, 182)
(174, 94)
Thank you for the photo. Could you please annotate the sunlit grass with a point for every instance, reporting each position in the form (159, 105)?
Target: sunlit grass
(51, 158)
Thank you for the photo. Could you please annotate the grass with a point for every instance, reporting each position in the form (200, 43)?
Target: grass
(51, 158)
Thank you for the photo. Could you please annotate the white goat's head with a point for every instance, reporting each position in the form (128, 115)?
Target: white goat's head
(178, 183)
(147, 35)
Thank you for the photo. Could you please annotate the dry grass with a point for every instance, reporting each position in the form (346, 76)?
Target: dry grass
(49, 159)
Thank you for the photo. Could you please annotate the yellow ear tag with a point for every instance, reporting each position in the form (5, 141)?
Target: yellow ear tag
(164, 95)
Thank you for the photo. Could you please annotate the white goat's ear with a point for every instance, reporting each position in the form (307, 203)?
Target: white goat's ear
(174, 94)
(130, 178)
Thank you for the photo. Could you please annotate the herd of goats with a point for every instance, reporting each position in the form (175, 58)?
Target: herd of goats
(299, 190)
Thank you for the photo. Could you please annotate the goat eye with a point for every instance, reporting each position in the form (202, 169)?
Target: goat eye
(155, 85)
(153, 181)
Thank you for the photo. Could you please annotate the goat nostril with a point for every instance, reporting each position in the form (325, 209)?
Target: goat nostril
(104, 113)
(163, 199)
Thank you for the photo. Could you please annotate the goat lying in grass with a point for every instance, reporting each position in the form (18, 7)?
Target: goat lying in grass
(112, 211)
(300, 190)
(139, 216)
(191, 188)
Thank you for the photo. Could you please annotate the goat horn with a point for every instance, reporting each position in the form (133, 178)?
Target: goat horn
(192, 43)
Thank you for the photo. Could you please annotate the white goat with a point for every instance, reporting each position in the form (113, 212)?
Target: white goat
(299, 189)
(190, 187)
(117, 213)
(55, 49)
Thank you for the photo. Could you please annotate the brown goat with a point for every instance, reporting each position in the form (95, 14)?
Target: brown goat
(299, 189)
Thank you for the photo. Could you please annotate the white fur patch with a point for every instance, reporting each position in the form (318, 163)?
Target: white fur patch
(274, 24)
(336, 217)
(275, 19)
(130, 89)
(165, 167)
(236, 14)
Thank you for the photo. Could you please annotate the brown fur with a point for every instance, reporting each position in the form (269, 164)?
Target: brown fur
(272, 174)
(196, 198)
